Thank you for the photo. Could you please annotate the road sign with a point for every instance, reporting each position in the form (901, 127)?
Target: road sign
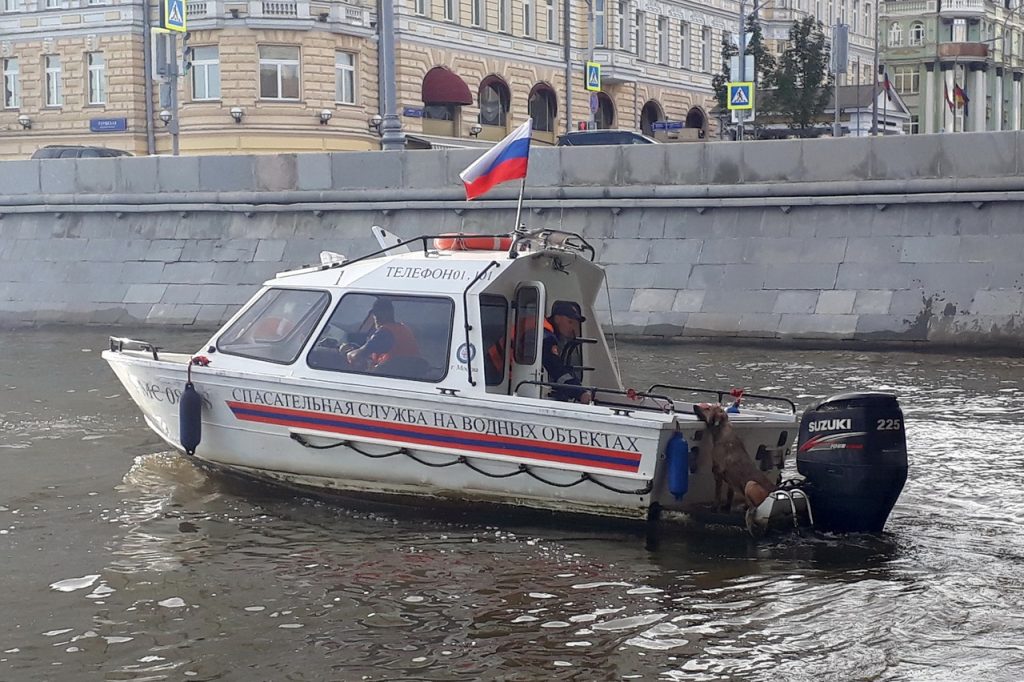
(748, 67)
(593, 80)
(594, 103)
(172, 17)
(741, 96)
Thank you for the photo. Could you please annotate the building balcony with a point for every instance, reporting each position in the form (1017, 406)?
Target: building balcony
(963, 51)
(909, 8)
(618, 66)
(962, 8)
(199, 11)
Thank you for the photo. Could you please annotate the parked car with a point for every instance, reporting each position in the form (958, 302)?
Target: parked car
(588, 137)
(71, 151)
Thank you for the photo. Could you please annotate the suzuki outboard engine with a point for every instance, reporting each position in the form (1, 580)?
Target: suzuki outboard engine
(853, 453)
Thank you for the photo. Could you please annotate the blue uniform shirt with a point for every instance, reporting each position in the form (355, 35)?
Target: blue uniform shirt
(558, 371)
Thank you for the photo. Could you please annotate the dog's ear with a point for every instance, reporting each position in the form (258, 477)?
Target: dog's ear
(701, 412)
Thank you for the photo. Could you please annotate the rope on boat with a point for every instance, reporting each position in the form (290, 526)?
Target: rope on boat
(523, 469)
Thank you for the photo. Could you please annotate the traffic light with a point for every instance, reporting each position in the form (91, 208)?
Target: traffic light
(187, 53)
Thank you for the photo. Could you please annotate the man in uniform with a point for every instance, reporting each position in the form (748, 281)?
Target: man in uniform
(388, 341)
(559, 329)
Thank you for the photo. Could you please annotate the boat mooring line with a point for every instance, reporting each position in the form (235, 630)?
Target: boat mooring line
(462, 459)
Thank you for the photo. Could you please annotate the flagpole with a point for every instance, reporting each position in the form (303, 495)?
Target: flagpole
(520, 228)
(885, 102)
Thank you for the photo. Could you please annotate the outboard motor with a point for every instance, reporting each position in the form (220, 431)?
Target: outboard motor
(852, 451)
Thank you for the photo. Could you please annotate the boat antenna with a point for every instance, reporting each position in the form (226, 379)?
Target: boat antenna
(611, 328)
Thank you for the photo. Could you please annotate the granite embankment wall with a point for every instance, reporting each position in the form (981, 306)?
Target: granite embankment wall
(914, 239)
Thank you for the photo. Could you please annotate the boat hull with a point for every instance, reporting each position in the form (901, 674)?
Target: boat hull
(379, 441)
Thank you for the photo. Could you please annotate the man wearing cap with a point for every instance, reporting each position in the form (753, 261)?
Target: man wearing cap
(559, 329)
(388, 340)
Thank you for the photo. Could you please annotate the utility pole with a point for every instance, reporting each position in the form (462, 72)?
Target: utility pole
(874, 81)
(172, 77)
(590, 56)
(742, 36)
(392, 137)
(567, 52)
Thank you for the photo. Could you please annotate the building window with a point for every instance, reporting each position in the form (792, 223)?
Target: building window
(552, 22)
(895, 35)
(206, 73)
(527, 18)
(543, 108)
(907, 80)
(97, 68)
(855, 16)
(703, 46)
(421, 7)
(11, 5)
(599, 25)
(54, 96)
(640, 35)
(504, 15)
(12, 85)
(868, 30)
(476, 12)
(279, 72)
(663, 40)
(684, 45)
(52, 4)
(958, 32)
(623, 25)
(917, 33)
(494, 102)
(449, 10)
(344, 78)
(914, 127)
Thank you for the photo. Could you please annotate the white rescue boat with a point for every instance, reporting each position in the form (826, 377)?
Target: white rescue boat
(461, 409)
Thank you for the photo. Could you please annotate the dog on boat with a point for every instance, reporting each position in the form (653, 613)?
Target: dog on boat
(731, 465)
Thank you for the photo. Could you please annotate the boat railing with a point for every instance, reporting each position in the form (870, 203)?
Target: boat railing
(722, 393)
(119, 344)
(425, 240)
(661, 403)
(562, 239)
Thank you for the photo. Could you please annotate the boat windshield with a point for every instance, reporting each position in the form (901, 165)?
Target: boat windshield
(276, 327)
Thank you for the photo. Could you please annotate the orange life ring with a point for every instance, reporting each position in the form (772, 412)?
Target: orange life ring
(455, 242)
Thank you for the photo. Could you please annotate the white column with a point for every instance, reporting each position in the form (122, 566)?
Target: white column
(928, 100)
(947, 115)
(997, 101)
(1015, 114)
(977, 105)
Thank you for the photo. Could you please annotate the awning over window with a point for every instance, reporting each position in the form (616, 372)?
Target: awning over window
(442, 86)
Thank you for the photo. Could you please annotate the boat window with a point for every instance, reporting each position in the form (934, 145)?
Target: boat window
(527, 319)
(406, 337)
(276, 327)
(494, 336)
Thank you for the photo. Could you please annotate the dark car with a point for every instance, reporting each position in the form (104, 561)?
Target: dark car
(70, 151)
(589, 137)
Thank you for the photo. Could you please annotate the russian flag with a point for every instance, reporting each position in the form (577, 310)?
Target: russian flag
(503, 162)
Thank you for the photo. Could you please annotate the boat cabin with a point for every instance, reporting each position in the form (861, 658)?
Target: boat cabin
(461, 316)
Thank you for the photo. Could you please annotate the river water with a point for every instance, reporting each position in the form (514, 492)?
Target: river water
(122, 561)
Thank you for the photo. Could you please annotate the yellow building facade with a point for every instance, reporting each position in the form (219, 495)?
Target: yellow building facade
(273, 76)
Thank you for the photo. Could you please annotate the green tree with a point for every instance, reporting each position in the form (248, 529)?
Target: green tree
(764, 62)
(803, 85)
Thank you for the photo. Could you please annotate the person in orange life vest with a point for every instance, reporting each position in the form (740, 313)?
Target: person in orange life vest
(389, 339)
(561, 327)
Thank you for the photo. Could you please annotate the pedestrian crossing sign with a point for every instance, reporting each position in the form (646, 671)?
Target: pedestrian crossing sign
(593, 77)
(172, 17)
(741, 96)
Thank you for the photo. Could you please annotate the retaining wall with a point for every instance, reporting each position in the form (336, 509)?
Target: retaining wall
(913, 239)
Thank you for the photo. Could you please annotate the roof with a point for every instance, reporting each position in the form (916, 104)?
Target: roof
(420, 141)
(861, 97)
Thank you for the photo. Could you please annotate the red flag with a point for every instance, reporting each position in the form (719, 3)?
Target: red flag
(887, 84)
(960, 95)
(949, 100)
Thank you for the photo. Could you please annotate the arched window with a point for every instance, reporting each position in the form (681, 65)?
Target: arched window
(604, 117)
(494, 102)
(697, 119)
(650, 113)
(444, 94)
(867, 20)
(895, 34)
(917, 33)
(543, 106)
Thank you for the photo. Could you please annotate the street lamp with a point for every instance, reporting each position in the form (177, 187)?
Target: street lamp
(25, 121)
(165, 116)
(237, 113)
(325, 116)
